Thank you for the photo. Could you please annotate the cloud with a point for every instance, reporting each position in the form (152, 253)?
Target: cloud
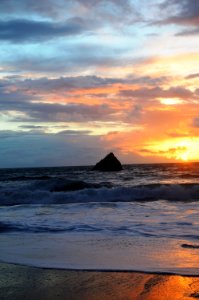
(178, 134)
(195, 122)
(32, 127)
(22, 30)
(191, 76)
(54, 112)
(169, 151)
(62, 58)
(46, 7)
(37, 100)
(123, 5)
(157, 92)
(147, 80)
(38, 131)
(188, 32)
(45, 85)
(4, 134)
(24, 149)
(14, 98)
(182, 12)
(63, 83)
(75, 132)
(134, 114)
(54, 8)
(92, 66)
(100, 11)
(20, 149)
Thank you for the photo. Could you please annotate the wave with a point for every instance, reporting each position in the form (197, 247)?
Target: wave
(8, 226)
(133, 229)
(63, 185)
(26, 178)
(59, 191)
(189, 176)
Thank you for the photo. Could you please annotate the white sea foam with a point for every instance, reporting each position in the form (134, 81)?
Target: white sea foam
(40, 194)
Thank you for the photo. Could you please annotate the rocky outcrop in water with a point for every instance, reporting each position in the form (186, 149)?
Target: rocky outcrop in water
(190, 246)
(109, 163)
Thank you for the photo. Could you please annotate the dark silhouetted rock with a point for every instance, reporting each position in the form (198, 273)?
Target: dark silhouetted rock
(190, 246)
(108, 164)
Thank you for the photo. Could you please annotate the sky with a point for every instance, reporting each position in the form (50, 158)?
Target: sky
(82, 78)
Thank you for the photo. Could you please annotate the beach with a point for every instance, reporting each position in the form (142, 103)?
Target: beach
(23, 282)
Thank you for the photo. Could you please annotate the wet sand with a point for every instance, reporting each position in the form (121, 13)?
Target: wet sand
(22, 282)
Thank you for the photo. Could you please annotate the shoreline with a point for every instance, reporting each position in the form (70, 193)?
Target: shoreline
(27, 282)
(89, 270)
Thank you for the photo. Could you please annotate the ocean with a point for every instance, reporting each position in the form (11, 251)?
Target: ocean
(143, 218)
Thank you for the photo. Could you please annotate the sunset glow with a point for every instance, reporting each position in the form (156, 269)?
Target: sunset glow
(86, 77)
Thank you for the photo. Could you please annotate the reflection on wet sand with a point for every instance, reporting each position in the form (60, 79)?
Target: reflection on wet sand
(181, 259)
(20, 282)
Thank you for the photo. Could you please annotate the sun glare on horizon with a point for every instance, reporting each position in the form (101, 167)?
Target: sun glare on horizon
(184, 156)
(185, 150)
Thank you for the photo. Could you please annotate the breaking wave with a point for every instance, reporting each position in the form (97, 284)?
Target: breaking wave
(59, 191)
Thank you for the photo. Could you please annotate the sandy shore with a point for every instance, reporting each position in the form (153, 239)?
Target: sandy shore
(21, 282)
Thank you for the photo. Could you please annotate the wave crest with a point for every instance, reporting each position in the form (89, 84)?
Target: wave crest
(64, 191)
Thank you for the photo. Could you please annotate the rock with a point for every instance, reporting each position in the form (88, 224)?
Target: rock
(108, 164)
(190, 246)
(195, 295)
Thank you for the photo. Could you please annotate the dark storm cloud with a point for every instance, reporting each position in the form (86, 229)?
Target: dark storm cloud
(23, 30)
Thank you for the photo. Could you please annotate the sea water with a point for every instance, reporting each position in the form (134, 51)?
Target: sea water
(143, 218)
